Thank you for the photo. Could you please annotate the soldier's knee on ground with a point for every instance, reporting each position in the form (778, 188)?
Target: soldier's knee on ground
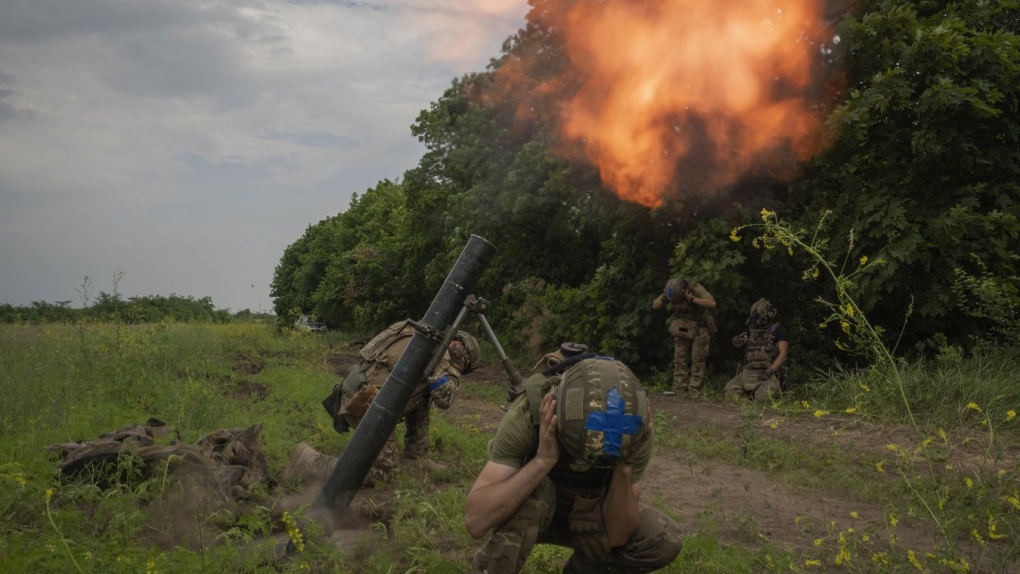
(510, 544)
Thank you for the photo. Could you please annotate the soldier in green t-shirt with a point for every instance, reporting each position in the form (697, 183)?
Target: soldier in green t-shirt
(564, 468)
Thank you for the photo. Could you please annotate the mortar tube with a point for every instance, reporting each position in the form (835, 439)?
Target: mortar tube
(388, 407)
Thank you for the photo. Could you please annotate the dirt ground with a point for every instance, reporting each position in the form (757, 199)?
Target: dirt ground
(747, 506)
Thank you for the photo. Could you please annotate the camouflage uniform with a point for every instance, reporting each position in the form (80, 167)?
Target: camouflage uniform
(692, 328)
(761, 347)
(544, 516)
(352, 397)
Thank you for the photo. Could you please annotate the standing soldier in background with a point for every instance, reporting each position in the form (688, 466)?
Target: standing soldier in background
(692, 327)
(766, 348)
(352, 397)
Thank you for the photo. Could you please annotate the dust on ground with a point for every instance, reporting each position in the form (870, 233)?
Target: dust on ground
(743, 505)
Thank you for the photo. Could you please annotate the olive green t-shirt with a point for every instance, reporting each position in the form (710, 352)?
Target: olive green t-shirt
(516, 440)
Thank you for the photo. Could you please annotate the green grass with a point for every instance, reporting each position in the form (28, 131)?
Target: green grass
(63, 383)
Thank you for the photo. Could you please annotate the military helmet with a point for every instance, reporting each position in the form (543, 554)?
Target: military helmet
(675, 288)
(762, 313)
(601, 411)
(472, 353)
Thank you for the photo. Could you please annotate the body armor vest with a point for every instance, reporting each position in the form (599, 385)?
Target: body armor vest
(761, 347)
(374, 350)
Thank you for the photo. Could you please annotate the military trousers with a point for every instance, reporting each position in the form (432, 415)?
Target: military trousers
(747, 384)
(654, 545)
(689, 358)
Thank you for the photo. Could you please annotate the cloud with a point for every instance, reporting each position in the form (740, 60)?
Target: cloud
(188, 142)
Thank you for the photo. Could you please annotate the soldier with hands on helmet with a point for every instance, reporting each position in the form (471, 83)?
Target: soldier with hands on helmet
(766, 347)
(564, 468)
(692, 327)
(351, 398)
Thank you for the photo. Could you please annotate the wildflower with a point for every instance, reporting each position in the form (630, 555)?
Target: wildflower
(854, 514)
(789, 249)
(810, 563)
(1010, 414)
(49, 493)
(845, 326)
(849, 310)
(942, 435)
(913, 560)
(19, 479)
(893, 521)
(820, 413)
(766, 214)
(1014, 501)
(974, 407)
(806, 404)
(865, 538)
(851, 410)
(878, 467)
(977, 537)
(891, 447)
(814, 273)
(756, 242)
(865, 388)
(970, 483)
(733, 235)
(992, 524)
(818, 541)
(774, 425)
(864, 260)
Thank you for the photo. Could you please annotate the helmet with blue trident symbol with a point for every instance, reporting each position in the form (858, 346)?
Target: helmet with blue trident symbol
(601, 410)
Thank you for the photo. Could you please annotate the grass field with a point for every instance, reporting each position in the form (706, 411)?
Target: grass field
(942, 492)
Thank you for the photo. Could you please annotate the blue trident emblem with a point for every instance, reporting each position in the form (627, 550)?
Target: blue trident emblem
(614, 423)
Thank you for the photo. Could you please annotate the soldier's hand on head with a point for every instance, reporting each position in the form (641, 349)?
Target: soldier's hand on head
(765, 375)
(548, 447)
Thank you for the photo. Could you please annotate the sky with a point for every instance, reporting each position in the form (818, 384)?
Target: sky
(182, 145)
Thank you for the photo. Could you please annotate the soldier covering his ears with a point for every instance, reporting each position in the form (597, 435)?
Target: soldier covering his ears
(564, 468)
(692, 327)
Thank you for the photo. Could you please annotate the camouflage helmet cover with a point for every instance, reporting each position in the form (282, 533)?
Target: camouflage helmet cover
(762, 313)
(601, 411)
(675, 288)
(468, 357)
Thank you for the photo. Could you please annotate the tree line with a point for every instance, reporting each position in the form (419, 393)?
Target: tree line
(114, 307)
(921, 171)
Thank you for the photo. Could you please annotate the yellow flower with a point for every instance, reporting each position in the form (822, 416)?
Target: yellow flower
(970, 483)
(942, 435)
(849, 310)
(1010, 414)
(49, 493)
(845, 326)
(854, 514)
(774, 425)
(820, 413)
(865, 538)
(865, 388)
(891, 447)
(913, 560)
(810, 563)
(977, 537)
(818, 541)
(806, 404)
(878, 467)
(814, 273)
(893, 521)
(1014, 501)
(733, 235)
(766, 214)
(864, 260)
(974, 407)
(851, 410)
